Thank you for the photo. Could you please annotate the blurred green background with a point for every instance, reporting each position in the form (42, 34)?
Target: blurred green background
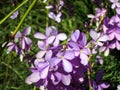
(13, 72)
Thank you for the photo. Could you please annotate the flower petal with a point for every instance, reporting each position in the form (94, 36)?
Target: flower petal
(84, 59)
(75, 35)
(69, 55)
(61, 36)
(54, 61)
(48, 55)
(94, 35)
(44, 72)
(67, 66)
(33, 78)
(40, 54)
(50, 40)
(27, 31)
(18, 35)
(66, 79)
(39, 36)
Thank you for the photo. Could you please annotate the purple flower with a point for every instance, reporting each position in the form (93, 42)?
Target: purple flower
(105, 48)
(99, 13)
(98, 38)
(56, 38)
(57, 17)
(78, 45)
(65, 59)
(25, 42)
(12, 46)
(14, 15)
(98, 84)
(115, 4)
(99, 59)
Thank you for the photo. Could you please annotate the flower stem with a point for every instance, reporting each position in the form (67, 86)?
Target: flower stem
(23, 18)
(89, 72)
(13, 11)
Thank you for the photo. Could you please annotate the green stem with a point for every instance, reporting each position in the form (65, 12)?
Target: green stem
(23, 18)
(34, 88)
(13, 11)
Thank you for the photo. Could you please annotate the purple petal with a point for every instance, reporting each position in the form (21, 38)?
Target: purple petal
(44, 72)
(28, 41)
(18, 35)
(94, 35)
(104, 85)
(38, 60)
(14, 15)
(103, 38)
(106, 53)
(27, 31)
(50, 40)
(83, 42)
(41, 45)
(22, 43)
(40, 54)
(39, 36)
(117, 36)
(101, 49)
(69, 55)
(10, 48)
(75, 35)
(52, 15)
(58, 19)
(54, 61)
(33, 78)
(118, 10)
(86, 51)
(84, 59)
(66, 79)
(56, 78)
(67, 66)
(56, 42)
(61, 36)
(48, 55)
(117, 45)
(111, 36)
(48, 31)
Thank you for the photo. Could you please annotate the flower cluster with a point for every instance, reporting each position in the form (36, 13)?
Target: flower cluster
(24, 43)
(56, 16)
(63, 63)
(55, 64)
